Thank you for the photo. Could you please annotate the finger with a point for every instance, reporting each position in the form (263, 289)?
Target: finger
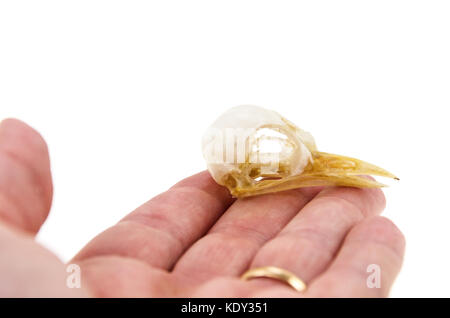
(116, 276)
(160, 230)
(307, 245)
(230, 245)
(25, 178)
(367, 263)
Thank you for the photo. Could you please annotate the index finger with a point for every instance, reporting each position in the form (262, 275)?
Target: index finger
(160, 230)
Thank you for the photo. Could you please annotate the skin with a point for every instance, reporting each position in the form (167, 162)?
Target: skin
(194, 240)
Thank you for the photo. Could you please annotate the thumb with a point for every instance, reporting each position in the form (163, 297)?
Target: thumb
(25, 178)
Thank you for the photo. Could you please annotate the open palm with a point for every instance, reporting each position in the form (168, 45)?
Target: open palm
(194, 240)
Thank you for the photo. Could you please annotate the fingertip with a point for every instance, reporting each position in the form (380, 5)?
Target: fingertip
(204, 182)
(371, 201)
(381, 230)
(378, 196)
(20, 131)
(26, 175)
(377, 193)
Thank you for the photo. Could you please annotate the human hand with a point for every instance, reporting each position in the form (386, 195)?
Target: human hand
(194, 240)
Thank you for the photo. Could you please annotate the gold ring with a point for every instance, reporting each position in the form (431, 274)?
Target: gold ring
(275, 273)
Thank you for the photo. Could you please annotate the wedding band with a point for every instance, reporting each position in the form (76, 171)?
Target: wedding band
(275, 273)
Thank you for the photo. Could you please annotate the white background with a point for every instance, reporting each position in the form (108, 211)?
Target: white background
(123, 90)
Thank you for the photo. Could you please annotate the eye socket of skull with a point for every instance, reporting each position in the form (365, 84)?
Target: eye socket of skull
(275, 151)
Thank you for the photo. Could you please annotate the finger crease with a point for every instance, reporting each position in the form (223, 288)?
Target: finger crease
(353, 206)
